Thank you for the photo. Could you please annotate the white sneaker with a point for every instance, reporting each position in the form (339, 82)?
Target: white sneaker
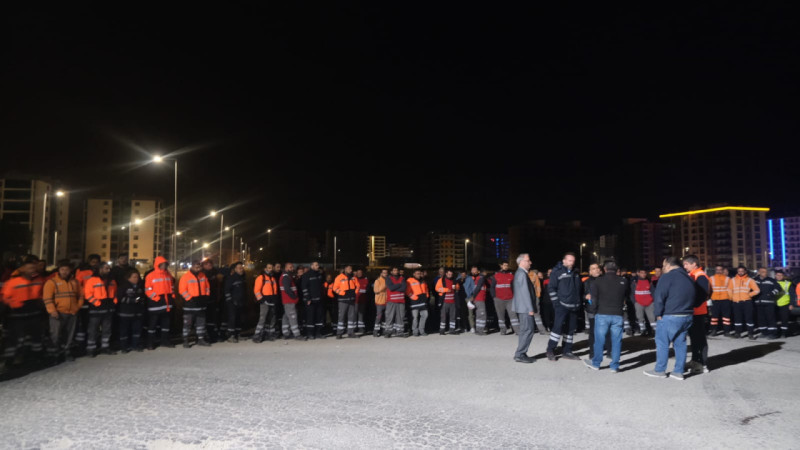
(470, 305)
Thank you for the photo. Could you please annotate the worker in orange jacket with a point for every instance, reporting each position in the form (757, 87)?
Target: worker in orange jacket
(346, 287)
(82, 275)
(22, 294)
(196, 292)
(63, 299)
(417, 292)
(159, 286)
(267, 295)
(720, 302)
(741, 291)
(100, 292)
(379, 288)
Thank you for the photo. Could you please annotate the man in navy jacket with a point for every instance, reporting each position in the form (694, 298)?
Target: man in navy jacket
(673, 303)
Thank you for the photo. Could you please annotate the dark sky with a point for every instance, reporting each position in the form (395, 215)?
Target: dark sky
(395, 119)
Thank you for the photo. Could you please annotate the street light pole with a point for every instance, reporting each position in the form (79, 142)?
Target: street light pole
(233, 245)
(583, 244)
(466, 259)
(41, 238)
(175, 221)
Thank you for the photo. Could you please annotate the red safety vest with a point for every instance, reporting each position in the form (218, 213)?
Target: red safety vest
(642, 293)
(502, 287)
(395, 296)
(479, 296)
(284, 296)
(695, 274)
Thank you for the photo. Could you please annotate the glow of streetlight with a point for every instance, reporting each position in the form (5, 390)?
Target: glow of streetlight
(59, 193)
(227, 228)
(157, 158)
(467, 241)
(583, 244)
(205, 244)
(213, 214)
(194, 241)
(261, 249)
(123, 228)
(138, 221)
(269, 230)
(178, 233)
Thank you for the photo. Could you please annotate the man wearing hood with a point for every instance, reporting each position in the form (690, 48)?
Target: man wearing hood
(159, 286)
(22, 296)
(195, 290)
(100, 293)
(235, 295)
(565, 293)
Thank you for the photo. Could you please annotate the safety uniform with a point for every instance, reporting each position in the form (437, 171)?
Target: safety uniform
(289, 300)
(447, 288)
(23, 297)
(131, 307)
(159, 286)
(361, 302)
(769, 291)
(63, 298)
(196, 292)
(379, 287)
(720, 304)
(479, 300)
(417, 292)
(214, 310)
(502, 292)
(564, 290)
(346, 288)
(395, 305)
(82, 276)
(235, 296)
(783, 306)
(641, 292)
(100, 292)
(265, 290)
(697, 331)
(311, 284)
(741, 291)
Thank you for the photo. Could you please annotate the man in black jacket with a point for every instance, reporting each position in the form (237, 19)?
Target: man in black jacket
(608, 294)
(765, 304)
(311, 285)
(235, 296)
(565, 293)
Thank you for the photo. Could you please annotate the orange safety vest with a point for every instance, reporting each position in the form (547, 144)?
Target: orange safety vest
(446, 288)
(329, 288)
(192, 285)
(380, 291)
(342, 284)
(742, 289)
(265, 286)
(62, 296)
(19, 290)
(96, 290)
(719, 287)
(415, 288)
(695, 274)
(83, 276)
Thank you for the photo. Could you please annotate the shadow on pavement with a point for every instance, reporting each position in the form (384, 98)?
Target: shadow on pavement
(744, 354)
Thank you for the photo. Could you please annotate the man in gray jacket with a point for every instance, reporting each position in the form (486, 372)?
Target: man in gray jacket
(522, 303)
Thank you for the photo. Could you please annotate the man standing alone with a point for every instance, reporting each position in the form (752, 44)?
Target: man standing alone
(565, 293)
(522, 304)
(673, 300)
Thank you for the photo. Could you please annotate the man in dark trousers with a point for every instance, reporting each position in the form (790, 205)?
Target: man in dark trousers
(395, 304)
(697, 332)
(565, 293)
(673, 299)
(235, 296)
(311, 285)
(524, 306)
(608, 294)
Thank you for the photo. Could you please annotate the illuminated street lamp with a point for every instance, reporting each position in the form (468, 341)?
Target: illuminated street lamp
(466, 263)
(158, 159)
(221, 229)
(583, 244)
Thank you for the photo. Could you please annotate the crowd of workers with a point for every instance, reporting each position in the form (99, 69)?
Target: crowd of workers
(100, 308)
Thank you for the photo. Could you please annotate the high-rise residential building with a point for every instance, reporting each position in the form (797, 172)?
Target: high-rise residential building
(722, 234)
(783, 234)
(40, 207)
(376, 249)
(442, 250)
(133, 225)
(642, 244)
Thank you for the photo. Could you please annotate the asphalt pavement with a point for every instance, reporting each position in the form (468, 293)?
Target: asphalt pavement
(436, 391)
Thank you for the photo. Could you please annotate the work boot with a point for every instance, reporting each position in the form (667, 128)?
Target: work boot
(551, 356)
(503, 332)
(737, 335)
(232, 339)
(270, 337)
(203, 343)
(168, 344)
(339, 336)
(751, 336)
(452, 332)
(376, 333)
(257, 339)
(186, 343)
(300, 338)
(422, 333)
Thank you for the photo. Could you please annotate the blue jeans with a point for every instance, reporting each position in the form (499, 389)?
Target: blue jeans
(672, 329)
(602, 324)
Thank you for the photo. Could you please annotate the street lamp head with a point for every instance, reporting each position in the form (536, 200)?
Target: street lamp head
(269, 230)
(583, 244)
(194, 241)
(157, 158)
(466, 241)
(213, 214)
(177, 233)
(59, 193)
(123, 227)
(227, 228)
(205, 244)
(138, 221)
(261, 249)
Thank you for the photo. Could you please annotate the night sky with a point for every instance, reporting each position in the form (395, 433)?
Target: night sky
(399, 119)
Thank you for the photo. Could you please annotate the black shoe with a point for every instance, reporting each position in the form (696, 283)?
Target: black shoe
(772, 337)
(139, 349)
(69, 357)
(271, 338)
(423, 334)
(257, 339)
(737, 335)
(93, 354)
(124, 351)
(453, 332)
(312, 337)
(186, 344)
(387, 335)
(351, 335)
(523, 359)
(752, 337)
(300, 338)
(551, 356)
(203, 343)
(571, 356)
(441, 333)
(339, 336)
